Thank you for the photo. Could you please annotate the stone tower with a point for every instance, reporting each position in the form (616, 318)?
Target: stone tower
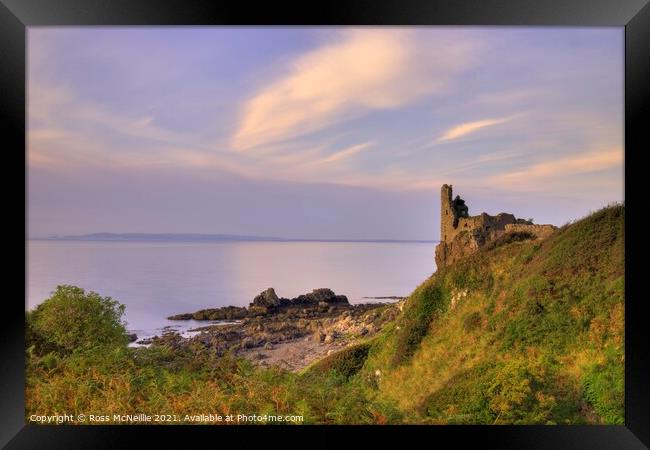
(446, 213)
(473, 232)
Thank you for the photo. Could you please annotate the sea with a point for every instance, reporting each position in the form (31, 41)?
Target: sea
(159, 279)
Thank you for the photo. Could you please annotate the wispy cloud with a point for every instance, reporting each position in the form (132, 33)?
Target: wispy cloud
(483, 161)
(363, 69)
(559, 168)
(343, 154)
(464, 129)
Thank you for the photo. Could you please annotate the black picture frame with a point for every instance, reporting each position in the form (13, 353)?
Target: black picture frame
(634, 15)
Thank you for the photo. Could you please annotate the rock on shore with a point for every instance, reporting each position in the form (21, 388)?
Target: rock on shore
(268, 302)
(225, 313)
(289, 333)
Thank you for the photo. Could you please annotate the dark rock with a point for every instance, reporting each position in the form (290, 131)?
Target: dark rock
(267, 299)
(225, 313)
(266, 303)
(258, 310)
(186, 316)
(321, 295)
(285, 301)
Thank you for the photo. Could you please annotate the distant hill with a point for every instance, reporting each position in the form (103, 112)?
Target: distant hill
(191, 237)
(519, 332)
(159, 237)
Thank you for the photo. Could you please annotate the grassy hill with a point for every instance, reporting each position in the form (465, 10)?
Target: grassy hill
(520, 332)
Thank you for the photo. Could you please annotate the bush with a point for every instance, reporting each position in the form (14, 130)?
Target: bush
(73, 319)
(346, 363)
(604, 387)
(425, 303)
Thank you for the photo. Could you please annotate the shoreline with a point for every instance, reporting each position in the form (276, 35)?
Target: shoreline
(286, 333)
(152, 326)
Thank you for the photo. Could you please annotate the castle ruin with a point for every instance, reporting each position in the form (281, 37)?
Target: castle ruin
(462, 234)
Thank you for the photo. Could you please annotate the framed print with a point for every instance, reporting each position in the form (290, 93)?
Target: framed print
(379, 220)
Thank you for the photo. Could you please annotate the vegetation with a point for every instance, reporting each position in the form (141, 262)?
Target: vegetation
(345, 363)
(522, 331)
(75, 320)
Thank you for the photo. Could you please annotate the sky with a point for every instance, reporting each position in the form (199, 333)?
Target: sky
(318, 132)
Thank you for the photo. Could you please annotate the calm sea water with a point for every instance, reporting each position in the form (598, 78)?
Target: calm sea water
(157, 279)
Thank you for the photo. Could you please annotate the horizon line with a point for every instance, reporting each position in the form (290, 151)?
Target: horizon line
(162, 237)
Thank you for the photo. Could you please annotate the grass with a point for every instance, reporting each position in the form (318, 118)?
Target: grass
(428, 301)
(345, 363)
(520, 346)
(521, 332)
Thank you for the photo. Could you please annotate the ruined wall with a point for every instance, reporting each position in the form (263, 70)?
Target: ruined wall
(485, 224)
(475, 231)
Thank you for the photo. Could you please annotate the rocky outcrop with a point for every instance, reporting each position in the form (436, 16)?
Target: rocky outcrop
(225, 313)
(469, 241)
(277, 331)
(291, 337)
(268, 299)
(267, 302)
(460, 246)
(322, 295)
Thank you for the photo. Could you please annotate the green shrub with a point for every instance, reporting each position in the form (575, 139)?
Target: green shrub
(604, 387)
(345, 363)
(73, 319)
(424, 304)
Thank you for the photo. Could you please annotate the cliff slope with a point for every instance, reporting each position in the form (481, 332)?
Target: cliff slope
(522, 331)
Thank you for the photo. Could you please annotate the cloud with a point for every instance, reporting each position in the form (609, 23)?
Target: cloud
(482, 161)
(362, 70)
(464, 129)
(351, 74)
(66, 131)
(343, 154)
(562, 168)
